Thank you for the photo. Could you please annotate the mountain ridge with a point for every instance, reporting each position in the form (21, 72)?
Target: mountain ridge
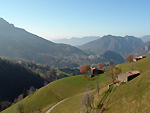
(77, 41)
(17, 42)
(122, 45)
(145, 38)
(144, 49)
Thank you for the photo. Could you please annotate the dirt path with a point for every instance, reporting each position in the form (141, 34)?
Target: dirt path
(106, 101)
(65, 100)
(56, 105)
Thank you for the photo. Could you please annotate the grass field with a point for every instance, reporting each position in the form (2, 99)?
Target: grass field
(133, 96)
(56, 91)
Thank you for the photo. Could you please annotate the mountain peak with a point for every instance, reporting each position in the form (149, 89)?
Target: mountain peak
(3, 21)
(1, 18)
(5, 24)
(122, 45)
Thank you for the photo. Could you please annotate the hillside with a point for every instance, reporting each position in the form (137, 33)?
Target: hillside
(15, 79)
(52, 93)
(16, 42)
(77, 41)
(113, 57)
(133, 96)
(144, 49)
(106, 56)
(122, 45)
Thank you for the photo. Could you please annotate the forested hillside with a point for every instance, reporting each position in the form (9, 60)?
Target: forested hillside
(15, 79)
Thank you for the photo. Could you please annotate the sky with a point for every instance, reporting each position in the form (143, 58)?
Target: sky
(55, 19)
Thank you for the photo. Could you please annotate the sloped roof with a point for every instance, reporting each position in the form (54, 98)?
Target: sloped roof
(130, 73)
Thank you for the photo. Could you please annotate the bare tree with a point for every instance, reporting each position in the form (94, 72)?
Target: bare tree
(19, 98)
(87, 99)
(32, 108)
(113, 71)
(31, 90)
(97, 84)
(21, 108)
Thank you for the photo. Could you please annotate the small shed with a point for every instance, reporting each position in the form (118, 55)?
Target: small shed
(97, 71)
(125, 77)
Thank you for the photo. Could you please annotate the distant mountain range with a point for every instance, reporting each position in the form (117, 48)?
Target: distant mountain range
(77, 41)
(16, 42)
(144, 49)
(122, 45)
(145, 38)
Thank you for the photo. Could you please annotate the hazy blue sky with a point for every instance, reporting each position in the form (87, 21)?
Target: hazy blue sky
(77, 18)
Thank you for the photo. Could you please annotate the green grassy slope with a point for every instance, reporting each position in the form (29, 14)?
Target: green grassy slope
(134, 96)
(55, 91)
(75, 103)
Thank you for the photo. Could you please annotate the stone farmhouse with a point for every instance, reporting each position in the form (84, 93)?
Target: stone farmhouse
(138, 58)
(125, 77)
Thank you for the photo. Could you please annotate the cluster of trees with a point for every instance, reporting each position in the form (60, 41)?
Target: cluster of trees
(50, 73)
(129, 58)
(4, 105)
(71, 71)
(85, 69)
(46, 71)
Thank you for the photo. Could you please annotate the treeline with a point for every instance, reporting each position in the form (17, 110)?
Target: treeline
(50, 73)
(14, 79)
